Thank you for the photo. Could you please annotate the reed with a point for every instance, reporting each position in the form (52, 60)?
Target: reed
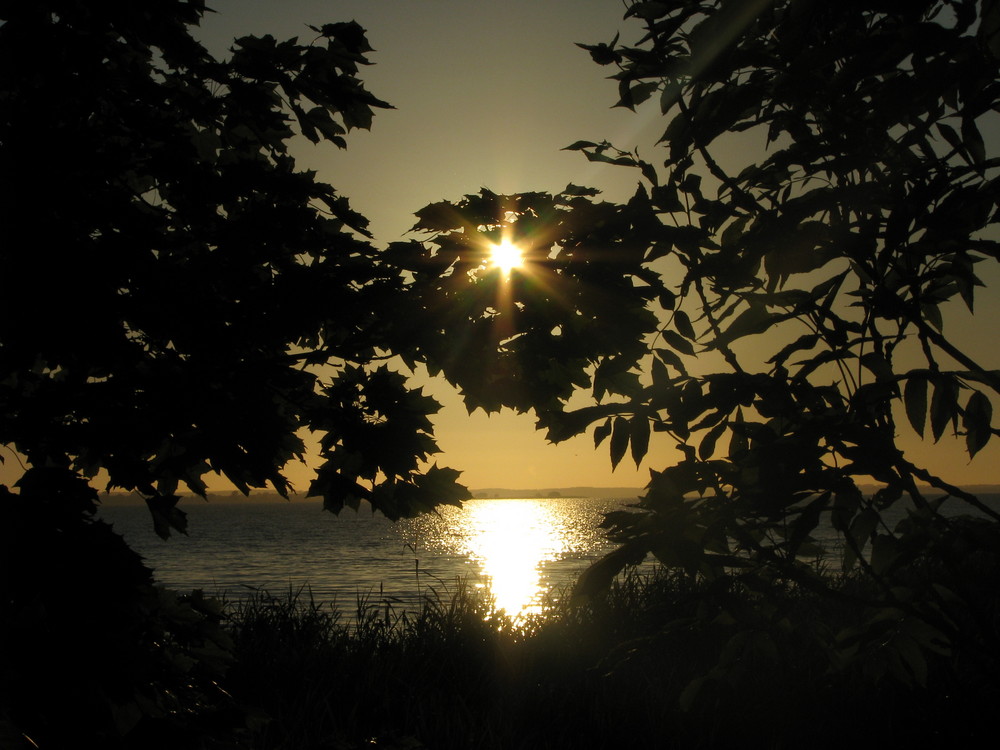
(456, 674)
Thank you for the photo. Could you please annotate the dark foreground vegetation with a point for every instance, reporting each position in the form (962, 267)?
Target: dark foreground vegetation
(608, 674)
(93, 652)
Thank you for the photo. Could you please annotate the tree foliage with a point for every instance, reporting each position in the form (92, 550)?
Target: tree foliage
(173, 282)
(177, 299)
(527, 341)
(825, 202)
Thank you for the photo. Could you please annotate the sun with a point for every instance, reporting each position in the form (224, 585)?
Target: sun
(506, 256)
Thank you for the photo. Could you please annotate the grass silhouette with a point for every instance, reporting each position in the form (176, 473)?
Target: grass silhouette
(456, 674)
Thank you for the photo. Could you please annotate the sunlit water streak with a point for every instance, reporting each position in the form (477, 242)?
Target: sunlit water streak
(513, 540)
(517, 550)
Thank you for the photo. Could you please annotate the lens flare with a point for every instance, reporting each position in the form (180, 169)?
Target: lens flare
(506, 256)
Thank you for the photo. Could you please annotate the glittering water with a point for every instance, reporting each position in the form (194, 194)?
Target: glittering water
(517, 549)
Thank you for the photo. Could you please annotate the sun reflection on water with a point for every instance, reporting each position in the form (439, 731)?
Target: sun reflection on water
(511, 539)
(515, 550)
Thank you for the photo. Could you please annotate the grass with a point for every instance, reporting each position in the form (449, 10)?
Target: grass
(626, 671)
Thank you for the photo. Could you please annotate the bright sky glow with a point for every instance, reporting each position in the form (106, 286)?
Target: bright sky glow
(506, 256)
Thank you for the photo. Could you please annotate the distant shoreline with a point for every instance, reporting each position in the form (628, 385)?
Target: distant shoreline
(122, 498)
(556, 492)
(499, 493)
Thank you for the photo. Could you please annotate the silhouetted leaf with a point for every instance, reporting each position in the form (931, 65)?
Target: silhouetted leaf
(577, 190)
(678, 342)
(915, 400)
(621, 431)
(665, 198)
(944, 405)
(707, 446)
(648, 10)
(755, 319)
(878, 365)
(977, 422)
(620, 160)
(885, 552)
(641, 92)
(602, 431)
(639, 437)
(683, 324)
(806, 341)
(166, 515)
(989, 378)
(602, 54)
(806, 522)
(932, 314)
(669, 357)
(437, 217)
(972, 140)
(319, 117)
(660, 374)
(863, 527)
(952, 137)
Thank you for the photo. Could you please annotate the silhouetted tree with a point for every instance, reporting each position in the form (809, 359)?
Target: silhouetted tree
(177, 298)
(824, 203)
(171, 278)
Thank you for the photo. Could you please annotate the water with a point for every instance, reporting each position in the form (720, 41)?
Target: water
(520, 550)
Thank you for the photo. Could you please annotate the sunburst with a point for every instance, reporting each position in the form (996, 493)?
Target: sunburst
(506, 256)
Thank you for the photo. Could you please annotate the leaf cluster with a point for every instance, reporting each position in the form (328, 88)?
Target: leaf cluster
(529, 341)
(825, 201)
(173, 283)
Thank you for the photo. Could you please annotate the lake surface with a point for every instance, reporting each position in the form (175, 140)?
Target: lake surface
(517, 549)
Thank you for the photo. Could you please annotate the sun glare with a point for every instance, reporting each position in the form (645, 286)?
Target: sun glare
(511, 539)
(506, 256)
